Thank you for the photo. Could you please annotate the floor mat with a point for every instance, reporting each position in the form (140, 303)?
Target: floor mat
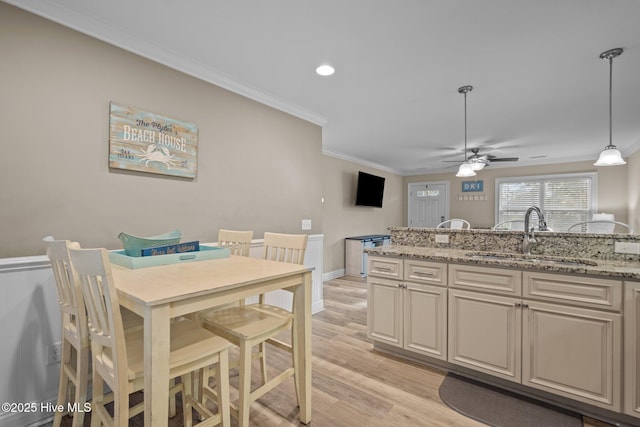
(501, 408)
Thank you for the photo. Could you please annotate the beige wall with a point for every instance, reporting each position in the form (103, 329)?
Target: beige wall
(343, 219)
(258, 168)
(612, 189)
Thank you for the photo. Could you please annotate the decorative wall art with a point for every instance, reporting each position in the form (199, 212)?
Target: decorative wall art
(147, 142)
(472, 186)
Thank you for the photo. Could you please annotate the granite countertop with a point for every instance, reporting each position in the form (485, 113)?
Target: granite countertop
(629, 270)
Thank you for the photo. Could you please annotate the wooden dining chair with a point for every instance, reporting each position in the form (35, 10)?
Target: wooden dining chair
(238, 242)
(74, 377)
(253, 325)
(117, 354)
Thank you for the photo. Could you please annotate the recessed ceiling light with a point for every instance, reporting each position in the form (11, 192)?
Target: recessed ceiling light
(325, 70)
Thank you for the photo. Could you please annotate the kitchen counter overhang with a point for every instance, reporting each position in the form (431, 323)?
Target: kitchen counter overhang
(626, 270)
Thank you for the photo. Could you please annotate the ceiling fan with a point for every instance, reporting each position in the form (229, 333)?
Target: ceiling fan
(478, 161)
(486, 159)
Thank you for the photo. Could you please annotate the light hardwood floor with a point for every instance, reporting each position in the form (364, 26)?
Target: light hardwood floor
(353, 386)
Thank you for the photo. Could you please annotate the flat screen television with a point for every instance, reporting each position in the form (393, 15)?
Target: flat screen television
(370, 190)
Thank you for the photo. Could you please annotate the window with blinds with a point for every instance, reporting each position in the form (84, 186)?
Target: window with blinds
(563, 199)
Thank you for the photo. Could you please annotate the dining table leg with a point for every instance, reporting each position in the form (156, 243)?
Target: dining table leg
(156, 365)
(302, 313)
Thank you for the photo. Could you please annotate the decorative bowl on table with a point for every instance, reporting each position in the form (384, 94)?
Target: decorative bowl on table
(133, 245)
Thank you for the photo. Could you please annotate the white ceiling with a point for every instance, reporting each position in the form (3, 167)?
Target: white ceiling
(540, 88)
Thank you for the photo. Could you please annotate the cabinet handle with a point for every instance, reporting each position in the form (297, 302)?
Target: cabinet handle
(525, 305)
(518, 305)
(423, 274)
(382, 268)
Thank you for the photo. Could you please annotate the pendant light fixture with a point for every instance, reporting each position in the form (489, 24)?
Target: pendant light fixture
(466, 168)
(610, 156)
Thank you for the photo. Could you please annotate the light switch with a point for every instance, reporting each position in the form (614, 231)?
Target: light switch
(306, 224)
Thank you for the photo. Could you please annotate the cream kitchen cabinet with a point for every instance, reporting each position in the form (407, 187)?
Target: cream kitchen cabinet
(632, 348)
(409, 313)
(566, 348)
(485, 328)
(571, 349)
(384, 310)
(573, 352)
(425, 319)
(485, 333)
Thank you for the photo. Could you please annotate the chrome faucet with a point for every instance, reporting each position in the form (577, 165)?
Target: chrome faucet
(529, 237)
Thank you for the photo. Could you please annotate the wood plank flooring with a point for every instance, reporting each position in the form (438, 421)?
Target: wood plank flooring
(353, 386)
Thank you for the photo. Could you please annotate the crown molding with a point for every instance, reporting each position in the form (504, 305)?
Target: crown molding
(359, 161)
(126, 41)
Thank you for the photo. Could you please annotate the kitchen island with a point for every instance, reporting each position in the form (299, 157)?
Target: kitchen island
(563, 329)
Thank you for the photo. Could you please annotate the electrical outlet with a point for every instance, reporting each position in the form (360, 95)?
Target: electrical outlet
(54, 353)
(306, 224)
(627, 248)
(442, 238)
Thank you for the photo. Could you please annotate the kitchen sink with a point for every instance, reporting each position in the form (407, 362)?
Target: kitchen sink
(535, 259)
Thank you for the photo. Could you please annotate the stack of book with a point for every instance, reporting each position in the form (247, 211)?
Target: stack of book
(178, 248)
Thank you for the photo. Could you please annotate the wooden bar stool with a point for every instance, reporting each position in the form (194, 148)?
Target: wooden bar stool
(238, 242)
(256, 324)
(117, 354)
(74, 377)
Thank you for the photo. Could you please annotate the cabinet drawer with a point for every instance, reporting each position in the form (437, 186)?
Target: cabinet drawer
(433, 273)
(580, 291)
(486, 279)
(385, 267)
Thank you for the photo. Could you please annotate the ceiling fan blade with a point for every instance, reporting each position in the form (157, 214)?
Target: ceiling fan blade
(504, 159)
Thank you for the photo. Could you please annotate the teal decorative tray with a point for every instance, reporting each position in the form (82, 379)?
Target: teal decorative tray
(133, 245)
(205, 252)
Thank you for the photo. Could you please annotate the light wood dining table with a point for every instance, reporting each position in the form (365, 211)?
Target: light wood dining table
(161, 293)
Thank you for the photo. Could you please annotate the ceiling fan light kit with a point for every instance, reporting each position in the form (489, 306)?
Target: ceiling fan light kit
(465, 169)
(610, 156)
(477, 166)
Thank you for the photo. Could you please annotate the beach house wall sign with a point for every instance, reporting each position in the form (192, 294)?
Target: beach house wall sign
(147, 142)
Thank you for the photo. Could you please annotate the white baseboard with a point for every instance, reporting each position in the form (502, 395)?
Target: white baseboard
(333, 275)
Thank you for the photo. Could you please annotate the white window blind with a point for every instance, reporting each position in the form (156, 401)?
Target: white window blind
(563, 199)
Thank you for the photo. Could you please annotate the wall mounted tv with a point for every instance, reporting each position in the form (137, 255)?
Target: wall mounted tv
(370, 190)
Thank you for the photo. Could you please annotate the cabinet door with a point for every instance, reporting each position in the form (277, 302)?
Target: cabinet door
(485, 333)
(573, 352)
(425, 320)
(632, 348)
(384, 311)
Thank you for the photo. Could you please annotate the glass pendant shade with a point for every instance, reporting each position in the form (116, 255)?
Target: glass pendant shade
(466, 170)
(610, 156)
